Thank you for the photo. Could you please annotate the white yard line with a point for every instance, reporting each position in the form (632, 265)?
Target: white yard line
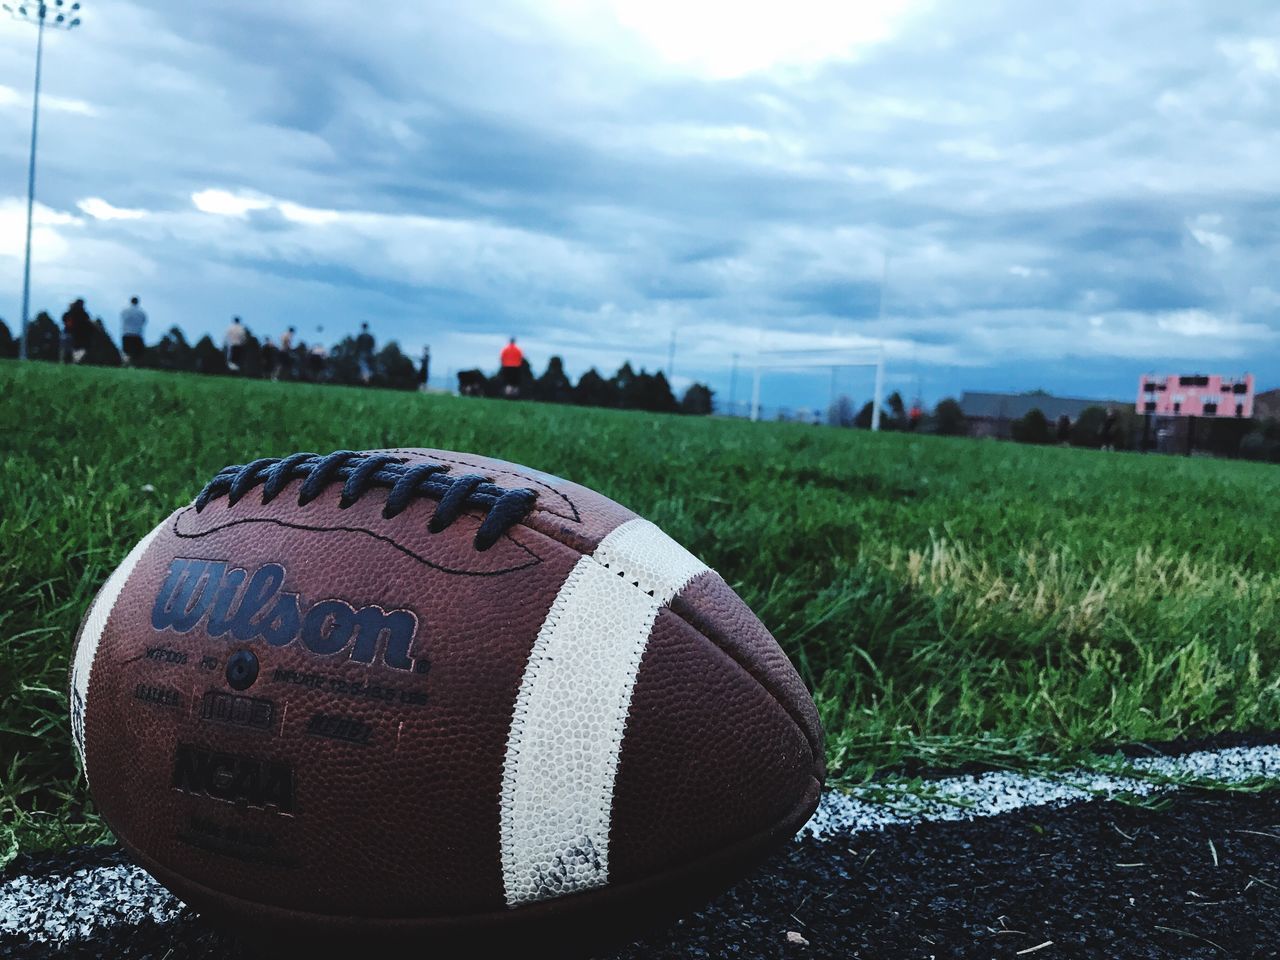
(991, 794)
(80, 904)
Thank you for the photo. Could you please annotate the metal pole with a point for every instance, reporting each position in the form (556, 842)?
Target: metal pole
(31, 190)
(755, 394)
(733, 387)
(65, 17)
(875, 408)
(884, 285)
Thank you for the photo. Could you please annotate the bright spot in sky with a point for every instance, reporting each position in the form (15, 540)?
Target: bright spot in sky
(297, 213)
(729, 38)
(46, 242)
(99, 209)
(227, 204)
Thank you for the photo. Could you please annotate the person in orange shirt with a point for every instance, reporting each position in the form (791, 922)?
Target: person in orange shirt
(512, 362)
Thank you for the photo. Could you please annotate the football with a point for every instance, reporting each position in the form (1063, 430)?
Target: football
(423, 694)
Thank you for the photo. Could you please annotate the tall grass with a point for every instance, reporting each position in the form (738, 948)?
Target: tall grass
(947, 600)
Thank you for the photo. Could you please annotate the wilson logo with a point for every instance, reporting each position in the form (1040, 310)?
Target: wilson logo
(235, 605)
(234, 779)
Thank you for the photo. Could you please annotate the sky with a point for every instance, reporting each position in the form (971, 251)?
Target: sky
(996, 196)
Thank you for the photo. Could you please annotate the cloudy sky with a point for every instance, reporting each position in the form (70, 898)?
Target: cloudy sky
(1001, 195)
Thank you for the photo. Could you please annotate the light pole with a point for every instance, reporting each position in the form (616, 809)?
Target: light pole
(64, 18)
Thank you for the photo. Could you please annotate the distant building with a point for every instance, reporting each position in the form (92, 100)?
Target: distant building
(992, 414)
(1195, 395)
(1266, 405)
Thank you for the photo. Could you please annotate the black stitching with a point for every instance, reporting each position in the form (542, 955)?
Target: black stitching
(541, 507)
(360, 472)
(533, 561)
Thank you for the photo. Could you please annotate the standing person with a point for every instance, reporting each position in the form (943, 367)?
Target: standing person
(284, 361)
(133, 320)
(512, 363)
(424, 374)
(364, 352)
(233, 340)
(75, 329)
(270, 357)
(66, 343)
(1064, 430)
(318, 356)
(1107, 432)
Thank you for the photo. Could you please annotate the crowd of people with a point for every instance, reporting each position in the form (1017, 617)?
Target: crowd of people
(353, 360)
(285, 358)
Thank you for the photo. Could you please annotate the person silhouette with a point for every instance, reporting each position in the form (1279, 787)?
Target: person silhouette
(233, 340)
(133, 321)
(512, 359)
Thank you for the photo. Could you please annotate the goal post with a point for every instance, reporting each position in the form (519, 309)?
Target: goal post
(825, 359)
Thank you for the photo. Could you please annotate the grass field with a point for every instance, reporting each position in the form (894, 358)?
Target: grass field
(947, 600)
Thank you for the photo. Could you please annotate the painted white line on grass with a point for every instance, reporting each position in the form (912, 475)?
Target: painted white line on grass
(82, 903)
(991, 794)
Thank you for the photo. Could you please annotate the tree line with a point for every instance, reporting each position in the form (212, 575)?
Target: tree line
(625, 390)
(389, 368)
(173, 352)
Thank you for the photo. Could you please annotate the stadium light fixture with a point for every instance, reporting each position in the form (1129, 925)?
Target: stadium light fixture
(56, 15)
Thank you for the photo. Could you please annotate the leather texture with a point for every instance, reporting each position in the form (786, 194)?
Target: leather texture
(348, 785)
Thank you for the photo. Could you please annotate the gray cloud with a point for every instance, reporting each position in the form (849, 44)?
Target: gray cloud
(1093, 182)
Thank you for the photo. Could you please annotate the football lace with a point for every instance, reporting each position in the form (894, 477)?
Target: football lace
(360, 472)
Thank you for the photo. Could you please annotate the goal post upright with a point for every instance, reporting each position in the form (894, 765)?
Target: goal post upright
(827, 358)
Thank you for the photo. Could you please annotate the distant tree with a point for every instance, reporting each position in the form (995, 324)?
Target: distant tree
(101, 350)
(43, 338)
(8, 345)
(950, 421)
(209, 358)
(528, 382)
(251, 362)
(173, 352)
(863, 420)
(698, 400)
(1062, 430)
(297, 369)
(594, 390)
(392, 369)
(1033, 427)
(1087, 430)
(624, 387)
(1261, 444)
(652, 392)
(840, 414)
(1221, 436)
(473, 383)
(554, 386)
(897, 419)
(344, 362)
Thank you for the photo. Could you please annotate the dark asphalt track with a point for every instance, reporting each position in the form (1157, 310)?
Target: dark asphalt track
(1197, 878)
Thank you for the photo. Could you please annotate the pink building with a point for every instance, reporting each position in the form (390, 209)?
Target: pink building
(1196, 395)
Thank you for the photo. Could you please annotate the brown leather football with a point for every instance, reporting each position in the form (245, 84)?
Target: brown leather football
(426, 693)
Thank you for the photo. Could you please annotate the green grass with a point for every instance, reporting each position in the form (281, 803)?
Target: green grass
(947, 600)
